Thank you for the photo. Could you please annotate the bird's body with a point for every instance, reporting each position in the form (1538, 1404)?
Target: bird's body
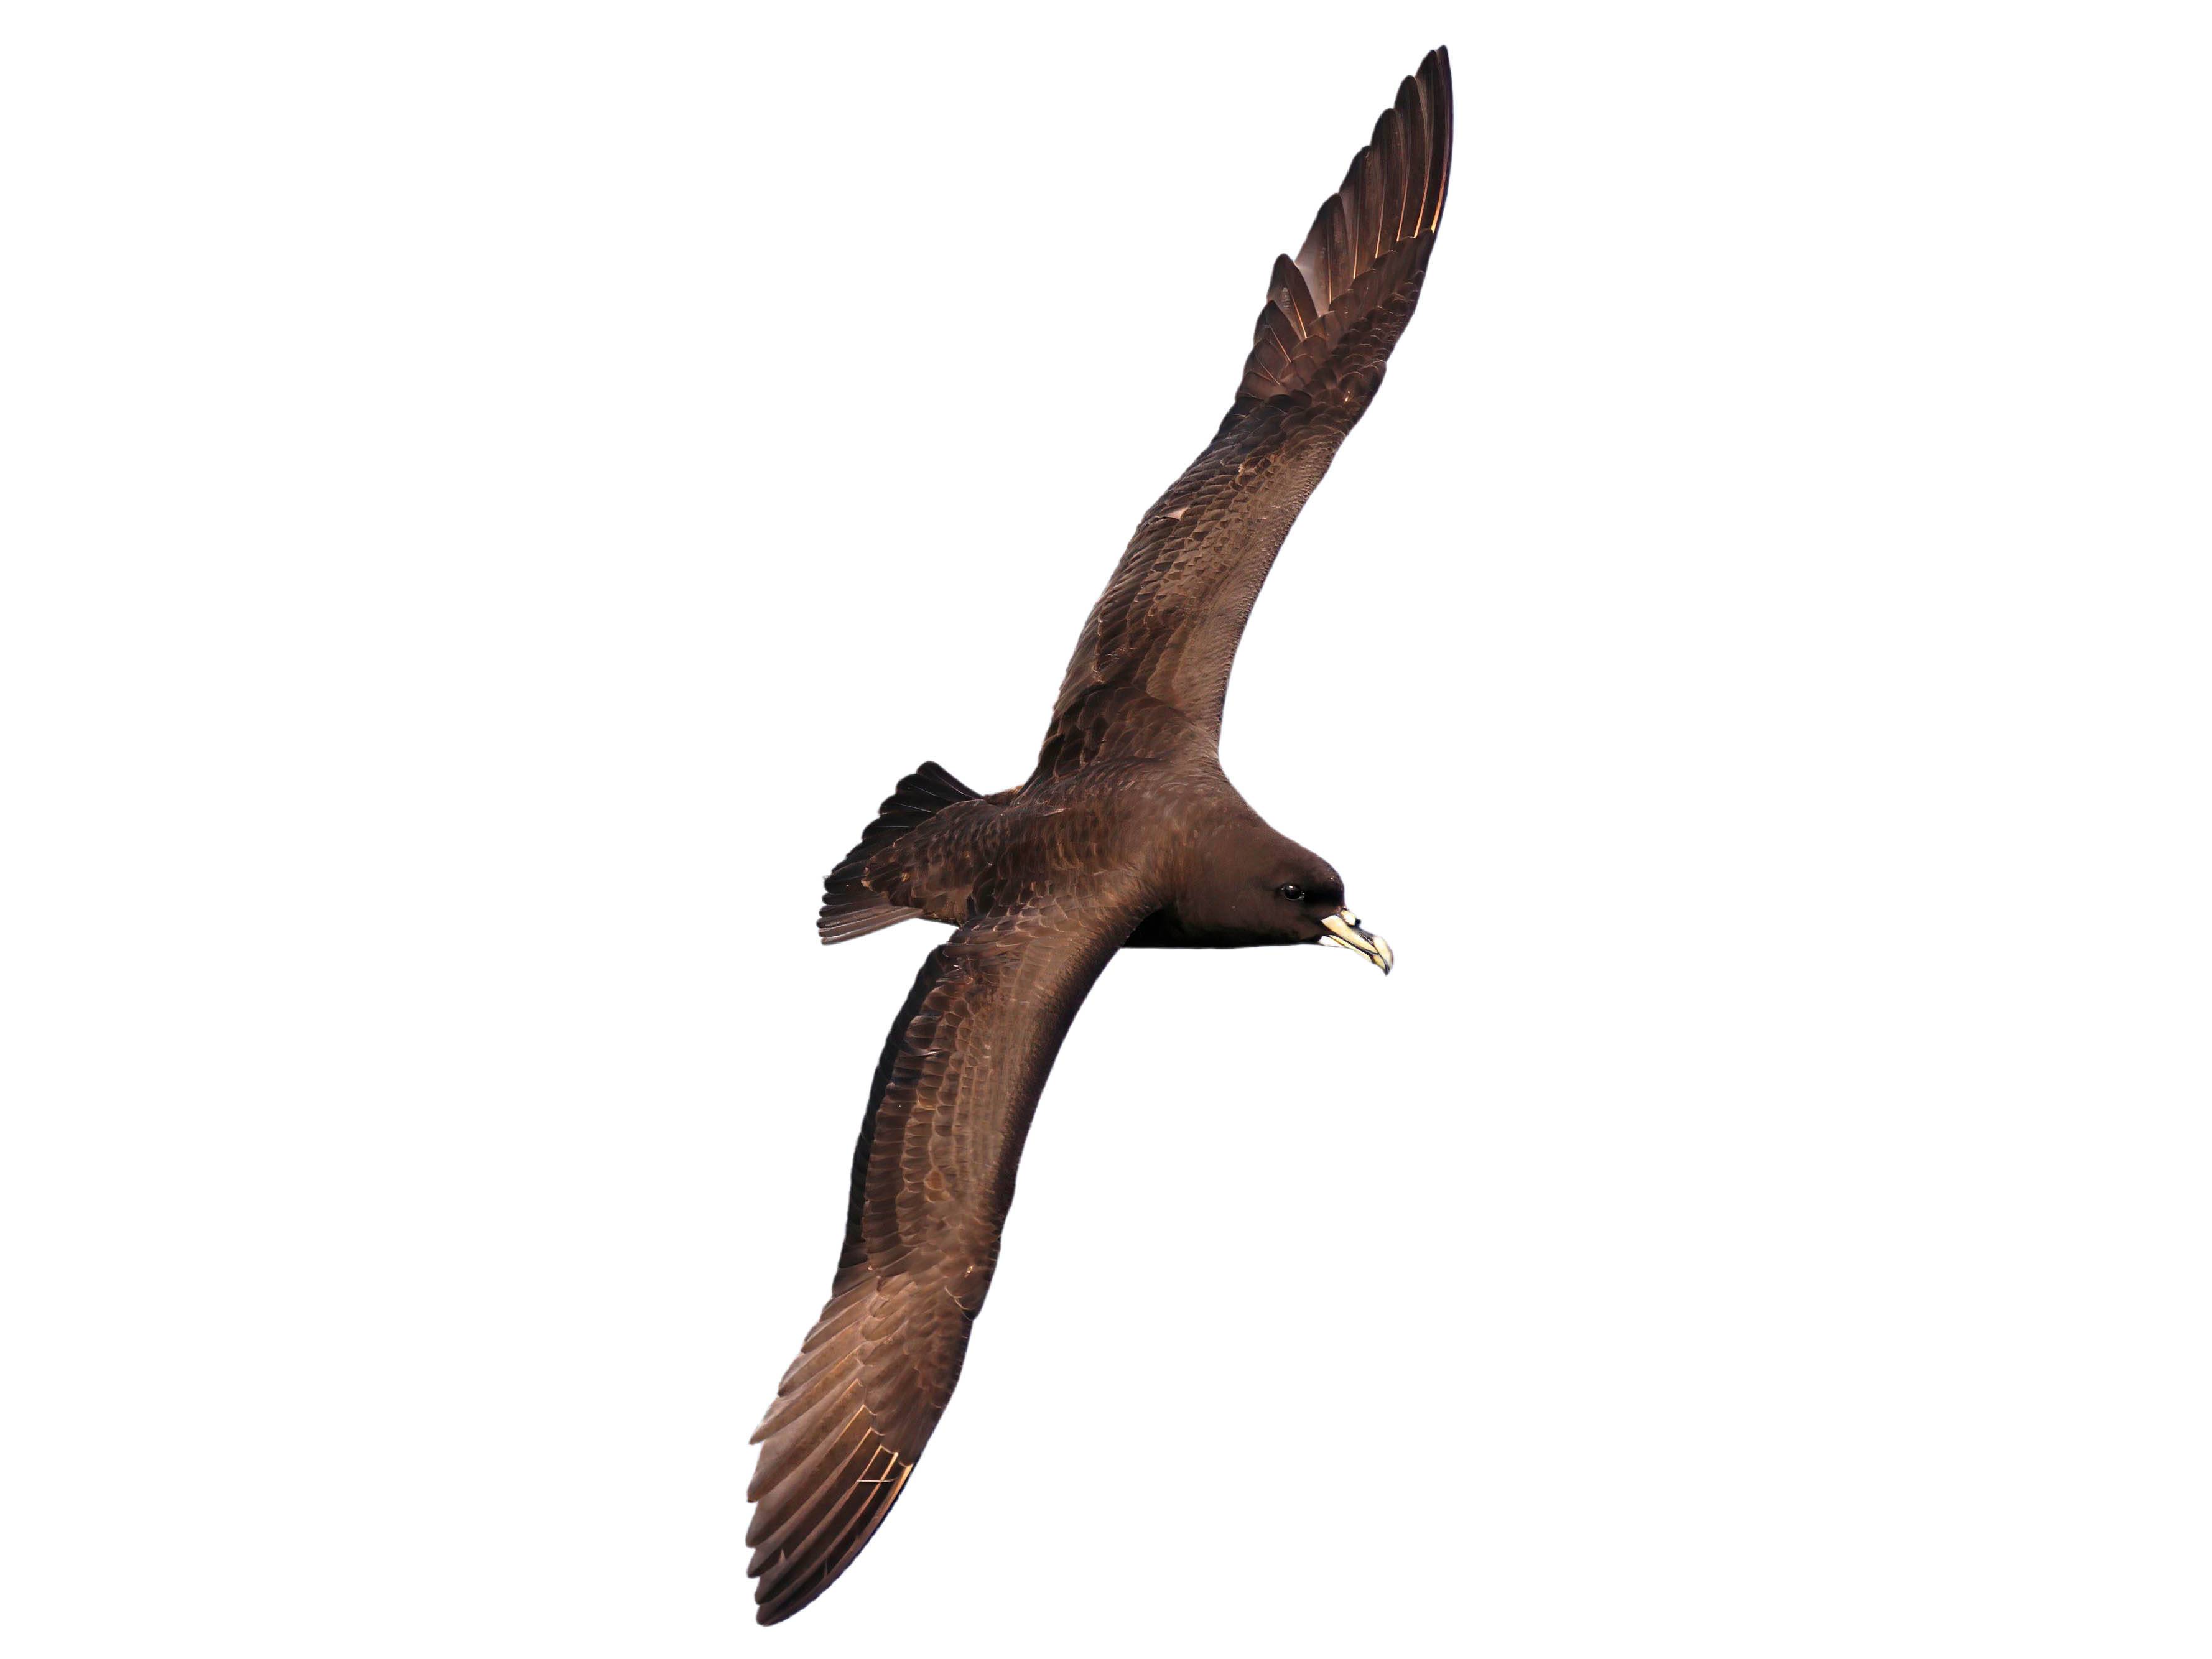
(1127, 834)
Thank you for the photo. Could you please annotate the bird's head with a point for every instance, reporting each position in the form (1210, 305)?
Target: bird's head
(1304, 905)
(1254, 886)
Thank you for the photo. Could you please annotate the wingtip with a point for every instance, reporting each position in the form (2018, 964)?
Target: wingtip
(1389, 205)
(773, 1609)
(1437, 65)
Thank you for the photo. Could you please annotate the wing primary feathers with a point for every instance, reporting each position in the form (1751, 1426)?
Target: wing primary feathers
(1289, 294)
(1413, 125)
(1434, 82)
(1367, 192)
(1369, 244)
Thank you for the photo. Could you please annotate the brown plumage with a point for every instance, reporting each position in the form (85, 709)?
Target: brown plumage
(1126, 834)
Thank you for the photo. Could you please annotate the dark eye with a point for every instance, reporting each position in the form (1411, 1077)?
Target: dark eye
(1292, 891)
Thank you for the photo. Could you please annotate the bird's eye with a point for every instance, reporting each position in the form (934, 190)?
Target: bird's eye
(1292, 891)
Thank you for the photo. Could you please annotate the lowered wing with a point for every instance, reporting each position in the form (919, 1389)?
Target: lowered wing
(932, 1181)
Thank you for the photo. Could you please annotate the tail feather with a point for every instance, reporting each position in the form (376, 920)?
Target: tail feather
(862, 893)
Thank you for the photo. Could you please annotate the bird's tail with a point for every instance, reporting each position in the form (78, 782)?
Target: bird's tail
(866, 891)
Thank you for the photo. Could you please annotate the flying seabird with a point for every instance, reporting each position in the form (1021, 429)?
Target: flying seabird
(1126, 834)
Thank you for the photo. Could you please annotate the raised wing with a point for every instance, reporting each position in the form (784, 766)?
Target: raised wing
(931, 1180)
(1153, 666)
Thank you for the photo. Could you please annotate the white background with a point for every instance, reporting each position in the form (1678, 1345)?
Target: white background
(496, 494)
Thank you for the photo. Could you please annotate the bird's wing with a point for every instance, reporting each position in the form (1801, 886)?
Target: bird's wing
(1153, 665)
(932, 1179)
